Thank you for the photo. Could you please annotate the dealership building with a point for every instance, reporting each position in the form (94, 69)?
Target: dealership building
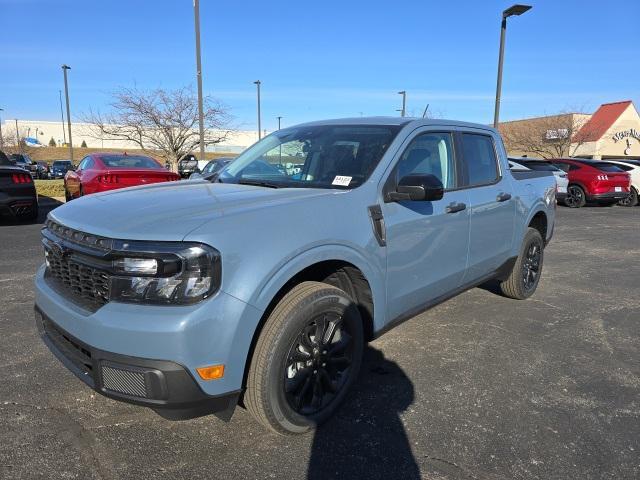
(612, 131)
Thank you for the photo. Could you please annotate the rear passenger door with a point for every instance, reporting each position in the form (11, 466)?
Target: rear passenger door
(491, 203)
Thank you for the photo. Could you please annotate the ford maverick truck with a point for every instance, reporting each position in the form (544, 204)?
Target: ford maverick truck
(259, 285)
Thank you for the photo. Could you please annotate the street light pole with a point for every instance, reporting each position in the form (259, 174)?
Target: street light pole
(196, 11)
(1, 139)
(257, 83)
(64, 135)
(66, 93)
(513, 10)
(279, 118)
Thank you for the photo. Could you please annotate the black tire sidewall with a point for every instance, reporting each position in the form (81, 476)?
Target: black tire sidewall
(329, 301)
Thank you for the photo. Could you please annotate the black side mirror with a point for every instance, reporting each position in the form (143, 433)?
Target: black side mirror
(418, 187)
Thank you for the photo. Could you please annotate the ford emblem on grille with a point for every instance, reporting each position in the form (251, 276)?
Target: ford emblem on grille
(58, 249)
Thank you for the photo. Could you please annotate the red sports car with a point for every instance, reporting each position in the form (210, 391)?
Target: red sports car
(593, 181)
(100, 172)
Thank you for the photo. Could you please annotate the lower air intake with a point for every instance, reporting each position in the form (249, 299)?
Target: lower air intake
(124, 381)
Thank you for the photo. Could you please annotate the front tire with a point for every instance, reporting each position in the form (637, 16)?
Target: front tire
(306, 359)
(525, 276)
(576, 197)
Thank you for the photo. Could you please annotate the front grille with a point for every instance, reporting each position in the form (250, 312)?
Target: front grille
(79, 280)
(124, 381)
(74, 264)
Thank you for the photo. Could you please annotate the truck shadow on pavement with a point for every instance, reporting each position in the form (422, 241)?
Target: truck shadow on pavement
(367, 438)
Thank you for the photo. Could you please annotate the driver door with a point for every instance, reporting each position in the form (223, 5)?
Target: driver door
(427, 241)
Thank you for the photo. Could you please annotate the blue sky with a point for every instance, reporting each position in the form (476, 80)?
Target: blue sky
(323, 59)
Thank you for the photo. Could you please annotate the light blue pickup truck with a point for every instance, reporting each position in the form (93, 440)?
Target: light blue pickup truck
(260, 284)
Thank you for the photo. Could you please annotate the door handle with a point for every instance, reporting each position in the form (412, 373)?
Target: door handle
(454, 207)
(503, 197)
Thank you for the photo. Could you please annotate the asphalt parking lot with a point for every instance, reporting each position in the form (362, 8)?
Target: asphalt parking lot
(480, 387)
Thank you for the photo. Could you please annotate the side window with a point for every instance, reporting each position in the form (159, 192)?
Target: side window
(480, 159)
(562, 166)
(429, 153)
(88, 163)
(573, 167)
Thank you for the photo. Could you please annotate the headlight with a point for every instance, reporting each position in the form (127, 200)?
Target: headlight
(164, 272)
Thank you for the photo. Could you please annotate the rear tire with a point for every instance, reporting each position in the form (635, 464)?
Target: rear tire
(525, 276)
(306, 359)
(631, 200)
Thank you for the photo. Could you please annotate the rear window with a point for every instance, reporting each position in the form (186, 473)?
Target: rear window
(605, 167)
(480, 159)
(4, 160)
(129, 161)
(540, 166)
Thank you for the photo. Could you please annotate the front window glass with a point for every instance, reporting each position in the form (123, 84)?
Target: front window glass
(323, 156)
(429, 154)
(129, 161)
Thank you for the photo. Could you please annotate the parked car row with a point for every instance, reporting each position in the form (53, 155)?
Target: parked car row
(603, 182)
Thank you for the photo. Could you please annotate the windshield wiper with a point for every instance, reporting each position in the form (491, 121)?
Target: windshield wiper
(258, 183)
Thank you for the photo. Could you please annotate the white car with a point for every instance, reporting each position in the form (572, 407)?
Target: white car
(632, 167)
(562, 179)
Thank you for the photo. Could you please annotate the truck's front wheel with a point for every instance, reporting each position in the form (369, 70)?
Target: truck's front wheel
(524, 277)
(306, 358)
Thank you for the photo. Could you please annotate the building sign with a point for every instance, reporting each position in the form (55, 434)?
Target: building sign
(626, 135)
(632, 132)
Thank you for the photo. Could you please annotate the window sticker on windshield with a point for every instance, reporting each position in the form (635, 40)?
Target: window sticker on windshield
(341, 180)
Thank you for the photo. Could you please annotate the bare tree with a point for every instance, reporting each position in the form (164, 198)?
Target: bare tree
(554, 136)
(160, 120)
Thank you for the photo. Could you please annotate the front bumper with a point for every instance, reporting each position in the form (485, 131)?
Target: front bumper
(164, 386)
(216, 331)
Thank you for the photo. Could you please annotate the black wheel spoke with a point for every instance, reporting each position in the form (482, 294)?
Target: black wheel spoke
(293, 384)
(326, 382)
(341, 345)
(299, 355)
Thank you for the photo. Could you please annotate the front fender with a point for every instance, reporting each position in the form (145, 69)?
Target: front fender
(371, 268)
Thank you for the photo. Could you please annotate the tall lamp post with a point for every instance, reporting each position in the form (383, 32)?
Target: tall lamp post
(66, 93)
(1, 140)
(403, 111)
(257, 83)
(512, 10)
(196, 11)
(64, 135)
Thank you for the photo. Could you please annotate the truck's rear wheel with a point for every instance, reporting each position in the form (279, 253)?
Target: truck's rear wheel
(306, 359)
(525, 276)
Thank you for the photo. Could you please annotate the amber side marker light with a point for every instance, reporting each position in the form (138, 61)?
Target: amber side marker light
(211, 373)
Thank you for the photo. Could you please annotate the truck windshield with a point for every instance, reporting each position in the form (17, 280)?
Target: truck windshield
(321, 156)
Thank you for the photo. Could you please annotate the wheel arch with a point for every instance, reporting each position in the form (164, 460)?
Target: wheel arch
(346, 270)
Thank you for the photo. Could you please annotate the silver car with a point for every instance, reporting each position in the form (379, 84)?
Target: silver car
(562, 180)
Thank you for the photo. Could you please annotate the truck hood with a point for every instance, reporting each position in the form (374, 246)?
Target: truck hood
(169, 211)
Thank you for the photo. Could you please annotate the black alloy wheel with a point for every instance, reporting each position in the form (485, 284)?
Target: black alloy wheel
(531, 265)
(318, 364)
(631, 200)
(575, 197)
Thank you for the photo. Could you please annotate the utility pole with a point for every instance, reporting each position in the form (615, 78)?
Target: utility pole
(196, 11)
(1, 139)
(64, 135)
(66, 93)
(279, 118)
(257, 83)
